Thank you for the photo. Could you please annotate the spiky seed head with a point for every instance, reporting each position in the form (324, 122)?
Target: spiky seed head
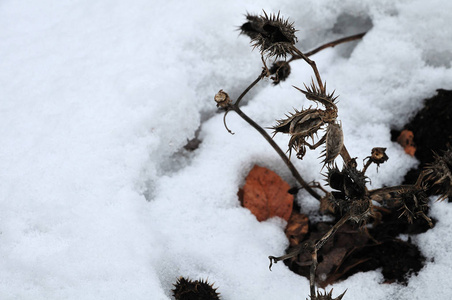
(300, 125)
(222, 99)
(315, 94)
(439, 175)
(186, 289)
(335, 178)
(414, 205)
(277, 36)
(354, 181)
(324, 296)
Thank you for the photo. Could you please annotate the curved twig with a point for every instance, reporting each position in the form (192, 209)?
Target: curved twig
(333, 44)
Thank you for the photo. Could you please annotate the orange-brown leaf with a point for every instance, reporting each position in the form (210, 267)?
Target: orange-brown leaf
(265, 194)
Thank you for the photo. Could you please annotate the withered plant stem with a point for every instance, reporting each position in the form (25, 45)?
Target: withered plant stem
(345, 155)
(262, 75)
(312, 272)
(278, 150)
(331, 44)
(331, 232)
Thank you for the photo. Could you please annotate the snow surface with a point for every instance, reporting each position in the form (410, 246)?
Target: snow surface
(98, 198)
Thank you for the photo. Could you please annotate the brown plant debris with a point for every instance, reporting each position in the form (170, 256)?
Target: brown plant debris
(297, 228)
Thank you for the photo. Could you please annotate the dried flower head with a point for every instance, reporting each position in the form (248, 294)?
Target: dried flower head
(325, 296)
(222, 99)
(186, 289)
(280, 70)
(377, 156)
(277, 36)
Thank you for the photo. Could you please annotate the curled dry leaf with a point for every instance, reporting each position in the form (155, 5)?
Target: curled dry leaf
(266, 195)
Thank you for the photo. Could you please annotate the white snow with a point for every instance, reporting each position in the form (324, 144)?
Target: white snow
(98, 199)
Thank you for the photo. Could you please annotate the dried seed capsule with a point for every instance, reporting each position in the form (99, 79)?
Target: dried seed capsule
(222, 99)
(300, 125)
(277, 36)
(281, 70)
(334, 143)
(186, 289)
(378, 155)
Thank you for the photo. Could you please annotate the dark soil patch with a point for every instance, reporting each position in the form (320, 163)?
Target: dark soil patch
(352, 250)
(432, 130)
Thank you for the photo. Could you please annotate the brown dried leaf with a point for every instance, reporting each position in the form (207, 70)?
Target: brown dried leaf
(297, 227)
(266, 195)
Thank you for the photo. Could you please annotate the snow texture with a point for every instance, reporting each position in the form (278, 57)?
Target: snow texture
(99, 199)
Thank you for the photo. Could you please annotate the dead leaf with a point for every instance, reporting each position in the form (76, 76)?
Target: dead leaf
(266, 195)
(405, 139)
(297, 228)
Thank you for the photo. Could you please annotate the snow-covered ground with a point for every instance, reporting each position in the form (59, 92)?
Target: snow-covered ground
(98, 198)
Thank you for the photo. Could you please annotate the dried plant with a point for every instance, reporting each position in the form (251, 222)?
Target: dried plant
(349, 196)
(187, 289)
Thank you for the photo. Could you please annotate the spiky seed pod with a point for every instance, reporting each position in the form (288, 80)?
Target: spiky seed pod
(186, 289)
(325, 296)
(438, 175)
(333, 144)
(335, 178)
(222, 99)
(414, 205)
(354, 181)
(314, 93)
(277, 37)
(253, 27)
(350, 192)
(280, 70)
(360, 210)
(300, 122)
(300, 126)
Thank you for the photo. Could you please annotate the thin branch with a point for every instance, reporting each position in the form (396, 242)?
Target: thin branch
(262, 75)
(312, 272)
(333, 44)
(331, 232)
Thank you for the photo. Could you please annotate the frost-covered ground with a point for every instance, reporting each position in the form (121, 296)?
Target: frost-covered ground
(98, 199)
